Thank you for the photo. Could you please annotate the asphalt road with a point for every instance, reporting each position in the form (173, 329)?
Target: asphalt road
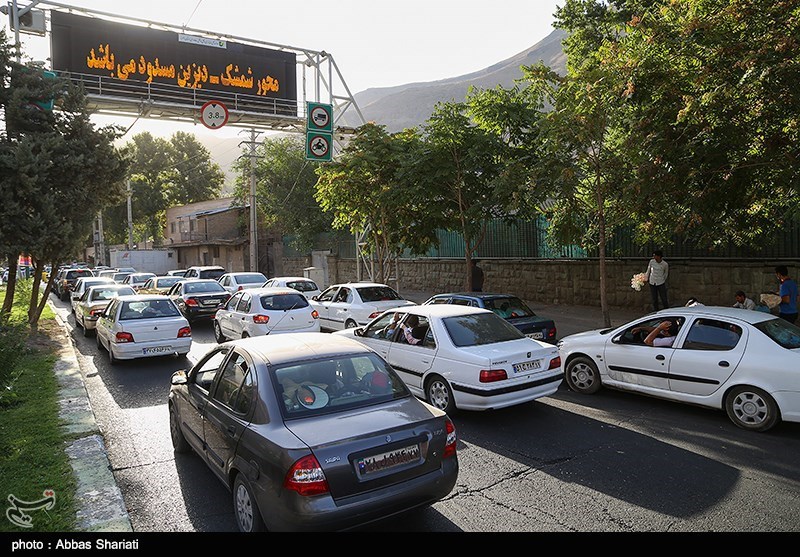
(613, 462)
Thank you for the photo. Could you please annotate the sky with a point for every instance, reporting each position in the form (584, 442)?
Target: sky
(375, 43)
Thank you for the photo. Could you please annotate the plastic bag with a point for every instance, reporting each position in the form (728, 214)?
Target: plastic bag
(770, 300)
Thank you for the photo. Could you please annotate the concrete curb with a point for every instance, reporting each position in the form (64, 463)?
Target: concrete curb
(101, 507)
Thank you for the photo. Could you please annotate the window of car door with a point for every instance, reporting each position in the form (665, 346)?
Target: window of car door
(462, 302)
(244, 303)
(712, 334)
(344, 296)
(233, 302)
(225, 281)
(327, 296)
(206, 370)
(377, 330)
(235, 385)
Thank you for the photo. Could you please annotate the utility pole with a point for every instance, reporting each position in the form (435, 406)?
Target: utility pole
(253, 209)
(130, 218)
(100, 245)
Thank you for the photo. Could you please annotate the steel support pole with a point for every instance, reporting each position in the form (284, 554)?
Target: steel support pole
(253, 209)
(130, 217)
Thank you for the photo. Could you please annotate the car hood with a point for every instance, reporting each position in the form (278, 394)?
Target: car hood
(512, 351)
(585, 336)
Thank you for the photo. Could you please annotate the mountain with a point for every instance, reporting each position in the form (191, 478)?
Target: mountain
(409, 105)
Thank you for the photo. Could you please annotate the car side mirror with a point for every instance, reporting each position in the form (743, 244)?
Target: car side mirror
(315, 298)
(359, 332)
(617, 339)
(179, 378)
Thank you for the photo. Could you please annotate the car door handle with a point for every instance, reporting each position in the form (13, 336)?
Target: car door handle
(231, 429)
(660, 357)
(723, 363)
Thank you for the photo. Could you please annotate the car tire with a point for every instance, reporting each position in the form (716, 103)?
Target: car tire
(751, 408)
(218, 336)
(350, 324)
(582, 376)
(248, 517)
(439, 394)
(179, 442)
(111, 359)
(83, 326)
(100, 346)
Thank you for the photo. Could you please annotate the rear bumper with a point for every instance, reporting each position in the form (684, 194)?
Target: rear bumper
(487, 398)
(133, 350)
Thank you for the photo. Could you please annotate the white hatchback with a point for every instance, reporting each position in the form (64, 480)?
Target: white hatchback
(142, 326)
(344, 306)
(463, 358)
(263, 311)
(306, 286)
(233, 282)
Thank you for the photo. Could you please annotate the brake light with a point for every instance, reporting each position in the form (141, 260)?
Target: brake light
(191, 302)
(261, 319)
(123, 337)
(96, 312)
(184, 332)
(451, 442)
(374, 314)
(492, 375)
(552, 333)
(314, 314)
(555, 362)
(306, 477)
(240, 287)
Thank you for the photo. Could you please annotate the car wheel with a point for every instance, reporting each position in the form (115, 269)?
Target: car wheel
(99, 342)
(439, 394)
(111, 359)
(350, 324)
(83, 326)
(218, 332)
(582, 376)
(248, 517)
(179, 442)
(751, 408)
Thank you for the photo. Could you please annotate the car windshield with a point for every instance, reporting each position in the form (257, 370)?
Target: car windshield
(377, 294)
(508, 306)
(302, 285)
(167, 282)
(79, 273)
(212, 273)
(333, 385)
(210, 286)
(147, 309)
(280, 302)
(254, 278)
(99, 294)
(781, 331)
(480, 328)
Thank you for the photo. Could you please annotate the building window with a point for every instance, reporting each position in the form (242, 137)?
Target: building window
(215, 251)
(172, 228)
(191, 226)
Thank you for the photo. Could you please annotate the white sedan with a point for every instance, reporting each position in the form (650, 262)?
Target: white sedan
(82, 285)
(741, 361)
(233, 282)
(306, 286)
(141, 326)
(463, 358)
(94, 300)
(343, 306)
(264, 311)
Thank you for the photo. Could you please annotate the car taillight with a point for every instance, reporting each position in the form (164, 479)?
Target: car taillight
(306, 477)
(314, 314)
(240, 288)
(450, 444)
(491, 375)
(191, 302)
(261, 319)
(123, 337)
(555, 362)
(374, 314)
(552, 333)
(96, 312)
(184, 332)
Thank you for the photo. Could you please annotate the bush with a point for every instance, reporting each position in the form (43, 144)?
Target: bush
(13, 347)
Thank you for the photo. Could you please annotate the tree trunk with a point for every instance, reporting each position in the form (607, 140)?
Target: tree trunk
(34, 308)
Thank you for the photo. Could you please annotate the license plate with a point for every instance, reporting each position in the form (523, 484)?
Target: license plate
(538, 335)
(527, 366)
(386, 461)
(157, 350)
(211, 302)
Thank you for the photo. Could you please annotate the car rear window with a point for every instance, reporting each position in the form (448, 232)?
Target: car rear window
(198, 287)
(781, 332)
(148, 309)
(212, 273)
(79, 273)
(108, 293)
(282, 302)
(303, 285)
(508, 306)
(167, 282)
(377, 293)
(255, 278)
(332, 385)
(480, 328)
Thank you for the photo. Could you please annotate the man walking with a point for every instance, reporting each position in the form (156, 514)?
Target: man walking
(657, 274)
(788, 293)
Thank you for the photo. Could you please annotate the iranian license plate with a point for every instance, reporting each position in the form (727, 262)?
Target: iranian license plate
(527, 366)
(157, 350)
(210, 302)
(386, 461)
(539, 335)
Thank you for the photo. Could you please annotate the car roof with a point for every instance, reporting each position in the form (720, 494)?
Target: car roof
(361, 283)
(143, 297)
(271, 290)
(749, 316)
(286, 279)
(442, 310)
(206, 267)
(196, 280)
(293, 347)
(476, 295)
(110, 285)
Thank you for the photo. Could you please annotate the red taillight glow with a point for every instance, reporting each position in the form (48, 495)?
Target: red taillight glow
(306, 477)
(492, 375)
(240, 288)
(261, 319)
(314, 314)
(450, 444)
(555, 362)
(374, 314)
(96, 312)
(552, 333)
(184, 332)
(122, 336)
(191, 302)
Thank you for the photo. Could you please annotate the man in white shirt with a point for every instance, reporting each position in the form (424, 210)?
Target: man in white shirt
(662, 334)
(657, 274)
(743, 302)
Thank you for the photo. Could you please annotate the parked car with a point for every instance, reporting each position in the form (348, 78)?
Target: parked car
(264, 311)
(94, 300)
(311, 432)
(343, 306)
(107, 273)
(159, 285)
(127, 270)
(205, 272)
(137, 280)
(462, 357)
(233, 282)
(176, 273)
(741, 361)
(509, 307)
(142, 326)
(119, 276)
(81, 285)
(66, 280)
(306, 286)
(198, 298)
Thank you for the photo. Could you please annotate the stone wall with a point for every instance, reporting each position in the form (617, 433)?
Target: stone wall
(576, 282)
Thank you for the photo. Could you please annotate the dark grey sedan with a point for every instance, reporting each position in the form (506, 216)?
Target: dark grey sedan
(311, 432)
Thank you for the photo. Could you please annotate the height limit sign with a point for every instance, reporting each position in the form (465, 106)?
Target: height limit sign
(319, 132)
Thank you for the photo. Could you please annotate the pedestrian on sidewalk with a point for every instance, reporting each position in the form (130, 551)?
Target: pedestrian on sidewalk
(657, 274)
(477, 277)
(787, 309)
(743, 302)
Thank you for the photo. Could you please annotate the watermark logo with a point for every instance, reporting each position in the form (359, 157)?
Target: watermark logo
(16, 513)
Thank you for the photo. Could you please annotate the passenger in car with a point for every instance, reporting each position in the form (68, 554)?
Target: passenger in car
(662, 334)
(408, 327)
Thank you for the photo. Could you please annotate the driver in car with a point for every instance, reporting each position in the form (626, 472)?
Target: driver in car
(662, 334)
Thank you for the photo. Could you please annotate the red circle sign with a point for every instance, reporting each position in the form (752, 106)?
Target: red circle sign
(214, 115)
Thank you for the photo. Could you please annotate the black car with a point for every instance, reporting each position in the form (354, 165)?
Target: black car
(66, 279)
(198, 298)
(509, 307)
